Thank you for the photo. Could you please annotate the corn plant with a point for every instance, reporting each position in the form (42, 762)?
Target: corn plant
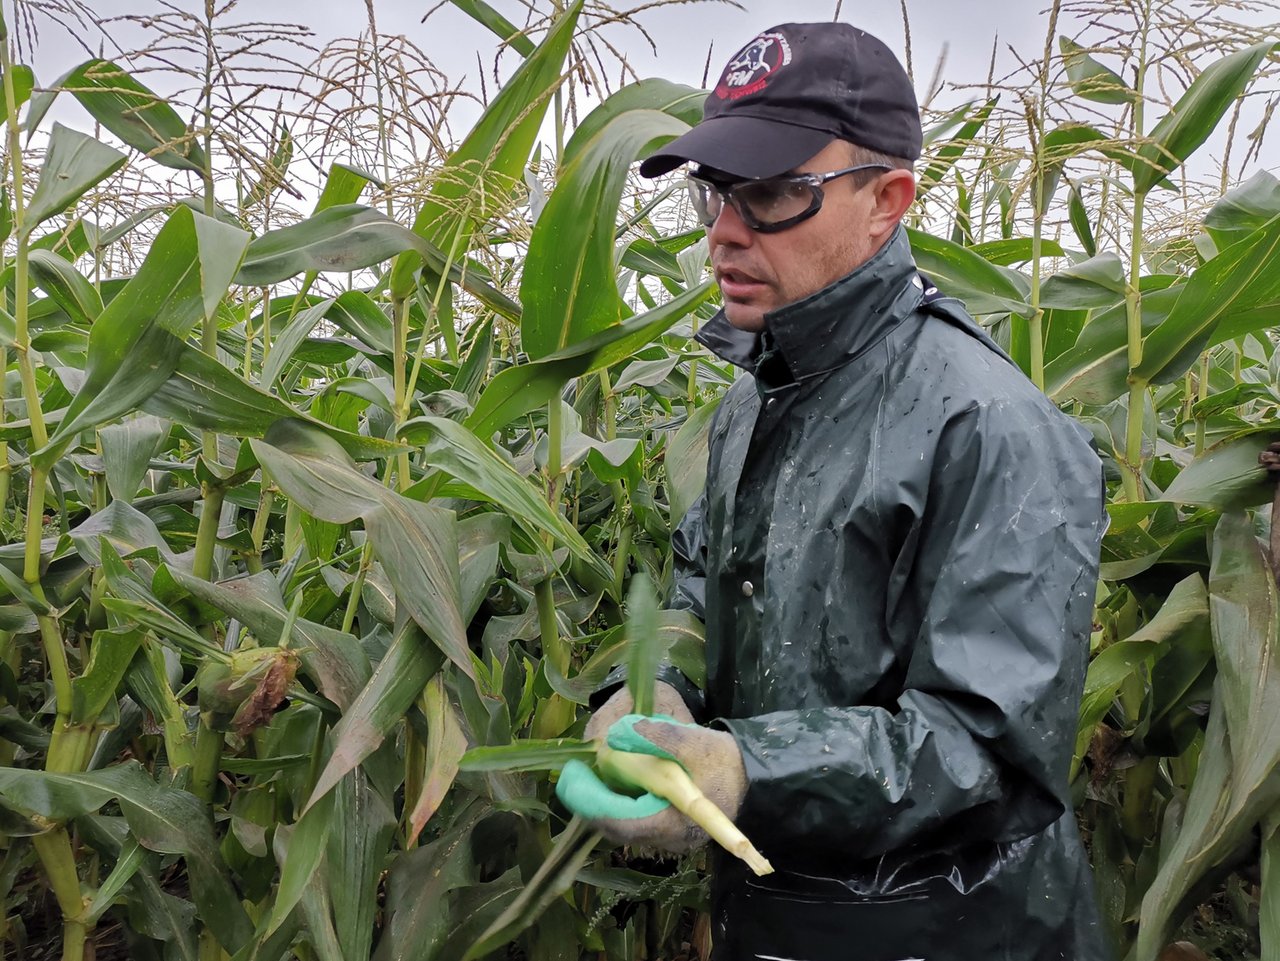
(306, 494)
(1138, 340)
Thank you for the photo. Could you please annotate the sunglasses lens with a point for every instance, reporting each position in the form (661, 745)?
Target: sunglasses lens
(706, 201)
(763, 204)
(773, 201)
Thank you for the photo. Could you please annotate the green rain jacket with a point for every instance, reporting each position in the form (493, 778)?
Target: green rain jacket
(895, 559)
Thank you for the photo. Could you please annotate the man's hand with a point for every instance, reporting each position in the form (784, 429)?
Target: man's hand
(711, 758)
(666, 700)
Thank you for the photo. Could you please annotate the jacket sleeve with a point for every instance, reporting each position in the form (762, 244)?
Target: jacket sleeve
(689, 553)
(992, 592)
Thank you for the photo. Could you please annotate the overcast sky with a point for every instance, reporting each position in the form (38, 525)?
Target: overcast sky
(964, 29)
(682, 33)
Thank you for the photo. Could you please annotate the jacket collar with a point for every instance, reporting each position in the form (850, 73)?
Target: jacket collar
(827, 329)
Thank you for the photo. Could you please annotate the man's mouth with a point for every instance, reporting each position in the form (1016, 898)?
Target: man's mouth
(737, 284)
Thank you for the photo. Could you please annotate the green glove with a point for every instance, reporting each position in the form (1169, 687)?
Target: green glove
(582, 792)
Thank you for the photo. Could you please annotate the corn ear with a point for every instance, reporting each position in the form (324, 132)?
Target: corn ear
(668, 780)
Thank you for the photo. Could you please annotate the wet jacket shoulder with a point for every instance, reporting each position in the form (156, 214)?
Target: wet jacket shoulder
(895, 558)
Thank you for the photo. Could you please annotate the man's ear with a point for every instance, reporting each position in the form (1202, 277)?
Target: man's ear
(894, 193)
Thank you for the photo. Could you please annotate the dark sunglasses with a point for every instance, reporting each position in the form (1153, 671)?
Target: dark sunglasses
(768, 205)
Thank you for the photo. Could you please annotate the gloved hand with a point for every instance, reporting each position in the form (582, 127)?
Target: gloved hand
(666, 700)
(711, 758)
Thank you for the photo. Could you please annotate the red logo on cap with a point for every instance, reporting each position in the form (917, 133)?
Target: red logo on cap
(751, 67)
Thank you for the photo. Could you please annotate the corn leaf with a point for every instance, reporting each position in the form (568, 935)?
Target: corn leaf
(358, 847)
(1089, 285)
(422, 888)
(316, 912)
(201, 392)
(1185, 609)
(446, 743)
(1195, 115)
(410, 662)
(1238, 781)
(527, 755)
(269, 947)
(1224, 298)
(340, 238)
(344, 185)
(676, 99)
(356, 313)
(290, 339)
(65, 285)
(163, 819)
(959, 272)
(1096, 370)
(1091, 79)
(609, 650)
(449, 447)
(302, 856)
(130, 858)
(24, 81)
(121, 528)
(1079, 216)
(503, 28)
(556, 875)
(351, 237)
(518, 390)
(1227, 476)
(946, 156)
(644, 644)
(137, 341)
(137, 115)
(1269, 896)
(74, 163)
(127, 449)
(417, 543)
(568, 288)
(1246, 644)
(1014, 250)
(1244, 209)
(481, 174)
(93, 692)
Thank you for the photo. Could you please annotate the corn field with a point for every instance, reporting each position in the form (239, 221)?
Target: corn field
(338, 443)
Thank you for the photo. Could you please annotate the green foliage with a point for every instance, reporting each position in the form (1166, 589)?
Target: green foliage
(1194, 117)
(74, 163)
(568, 287)
(135, 114)
(320, 533)
(1091, 79)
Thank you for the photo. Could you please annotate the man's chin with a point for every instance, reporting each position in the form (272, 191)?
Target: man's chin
(745, 316)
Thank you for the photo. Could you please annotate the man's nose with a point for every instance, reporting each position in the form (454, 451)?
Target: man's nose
(729, 228)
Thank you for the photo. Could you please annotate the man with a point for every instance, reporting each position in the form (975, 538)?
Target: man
(895, 557)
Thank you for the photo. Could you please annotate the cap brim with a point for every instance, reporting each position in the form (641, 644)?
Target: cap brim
(740, 146)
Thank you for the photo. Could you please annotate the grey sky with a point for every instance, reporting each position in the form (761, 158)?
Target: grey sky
(682, 33)
(965, 30)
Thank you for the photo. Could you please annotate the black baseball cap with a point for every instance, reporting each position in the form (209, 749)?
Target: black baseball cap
(790, 92)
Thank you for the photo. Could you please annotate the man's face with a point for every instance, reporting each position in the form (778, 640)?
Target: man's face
(760, 272)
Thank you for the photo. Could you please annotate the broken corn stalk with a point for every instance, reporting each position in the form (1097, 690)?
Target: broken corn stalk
(668, 780)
